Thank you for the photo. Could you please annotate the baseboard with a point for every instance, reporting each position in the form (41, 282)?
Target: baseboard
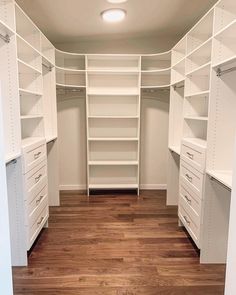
(153, 186)
(78, 187)
(74, 187)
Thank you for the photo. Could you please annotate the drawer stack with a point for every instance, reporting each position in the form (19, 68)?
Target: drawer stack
(35, 188)
(192, 169)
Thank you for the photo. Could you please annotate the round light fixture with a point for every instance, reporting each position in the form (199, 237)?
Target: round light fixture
(113, 15)
(117, 1)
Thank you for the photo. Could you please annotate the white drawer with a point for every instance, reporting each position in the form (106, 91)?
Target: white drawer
(194, 157)
(40, 201)
(38, 225)
(191, 198)
(33, 155)
(35, 180)
(192, 178)
(190, 225)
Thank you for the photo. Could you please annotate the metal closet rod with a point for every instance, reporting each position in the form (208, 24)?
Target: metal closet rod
(5, 38)
(178, 87)
(48, 67)
(216, 180)
(220, 72)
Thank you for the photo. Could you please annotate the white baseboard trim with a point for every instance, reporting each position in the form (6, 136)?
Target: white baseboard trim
(72, 187)
(153, 186)
(78, 187)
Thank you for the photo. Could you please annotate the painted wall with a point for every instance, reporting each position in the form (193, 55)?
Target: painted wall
(154, 124)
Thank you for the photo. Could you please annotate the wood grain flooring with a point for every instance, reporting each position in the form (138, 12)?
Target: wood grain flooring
(116, 245)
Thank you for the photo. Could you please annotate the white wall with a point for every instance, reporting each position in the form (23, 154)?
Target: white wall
(154, 118)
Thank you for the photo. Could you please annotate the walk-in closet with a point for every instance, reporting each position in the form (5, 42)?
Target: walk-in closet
(117, 147)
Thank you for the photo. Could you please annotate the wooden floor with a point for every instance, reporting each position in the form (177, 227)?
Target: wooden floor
(116, 245)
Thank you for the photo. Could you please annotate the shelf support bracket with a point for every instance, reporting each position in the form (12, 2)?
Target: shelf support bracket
(5, 38)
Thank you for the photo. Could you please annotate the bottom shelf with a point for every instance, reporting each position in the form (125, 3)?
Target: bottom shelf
(224, 177)
(113, 186)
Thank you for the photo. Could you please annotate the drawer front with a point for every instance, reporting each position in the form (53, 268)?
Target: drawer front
(37, 227)
(194, 202)
(33, 157)
(193, 157)
(190, 225)
(35, 178)
(192, 178)
(41, 198)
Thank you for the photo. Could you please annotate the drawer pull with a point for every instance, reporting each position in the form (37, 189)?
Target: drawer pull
(40, 221)
(190, 155)
(39, 200)
(189, 178)
(186, 219)
(188, 200)
(38, 178)
(36, 156)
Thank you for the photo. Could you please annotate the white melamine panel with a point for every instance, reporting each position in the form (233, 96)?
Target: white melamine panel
(103, 127)
(196, 106)
(173, 178)
(32, 128)
(199, 57)
(112, 105)
(201, 32)
(111, 151)
(178, 72)
(29, 79)
(225, 13)
(27, 29)
(28, 54)
(69, 60)
(30, 104)
(7, 13)
(113, 62)
(70, 77)
(178, 52)
(113, 83)
(10, 97)
(53, 173)
(156, 61)
(195, 128)
(156, 78)
(113, 175)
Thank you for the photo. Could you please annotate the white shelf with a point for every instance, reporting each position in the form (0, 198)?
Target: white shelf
(70, 70)
(113, 72)
(197, 142)
(69, 86)
(113, 163)
(31, 117)
(175, 149)
(224, 177)
(113, 186)
(29, 92)
(52, 138)
(117, 91)
(200, 93)
(156, 87)
(112, 139)
(113, 117)
(31, 140)
(6, 29)
(25, 68)
(202, 70)
(196, 118)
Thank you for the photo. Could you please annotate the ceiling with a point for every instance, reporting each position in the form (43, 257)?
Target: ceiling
(74, 20)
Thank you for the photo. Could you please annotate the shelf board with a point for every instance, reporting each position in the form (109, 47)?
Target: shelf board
(113, 117)
(29, 92)
(113, 163)
(201, 69)
(11, 157)
(157, 87)
(70, 70)
(28, 117)
(224, 30)
(113, 139)
(178, 82)
(59, 85)
(199, 47)
(26, 68)
(196, 118)
(200, 93)
(196, 142)
(224, 177)
(175, 149)
(178, 62)
(115, 92)
(113, 71)
(156, 72)
(28, 141)
(113, 186)
(52, 138)
(225, 62)
(6, 29)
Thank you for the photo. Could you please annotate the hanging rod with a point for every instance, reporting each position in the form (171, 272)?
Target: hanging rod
(178, 87)
(48, 67)
(216, 180)
(71, 90)
(5, 38)
(220, 72)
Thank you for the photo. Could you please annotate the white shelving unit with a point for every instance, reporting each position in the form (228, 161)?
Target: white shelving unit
(113, 121)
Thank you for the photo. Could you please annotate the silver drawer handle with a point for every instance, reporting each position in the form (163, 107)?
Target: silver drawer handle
(190, 155)
(190, 179)
(39, 200)
(41, 220)
(36, 156)
(188, 200)
(187, 221)
(38, 178)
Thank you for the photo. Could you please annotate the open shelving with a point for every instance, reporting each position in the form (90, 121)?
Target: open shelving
(225, 14)
(155, 62)
(156, 78)
(7, 14)
(178, 72)
(178, 52)
(201, 32)
(69, 77)
(47, 50)
(70, 61)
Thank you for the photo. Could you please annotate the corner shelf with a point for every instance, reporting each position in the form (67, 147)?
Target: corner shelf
(224, 177)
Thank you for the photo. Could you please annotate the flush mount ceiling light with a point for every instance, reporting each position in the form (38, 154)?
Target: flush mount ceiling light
(113, 15)
(117, 1)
